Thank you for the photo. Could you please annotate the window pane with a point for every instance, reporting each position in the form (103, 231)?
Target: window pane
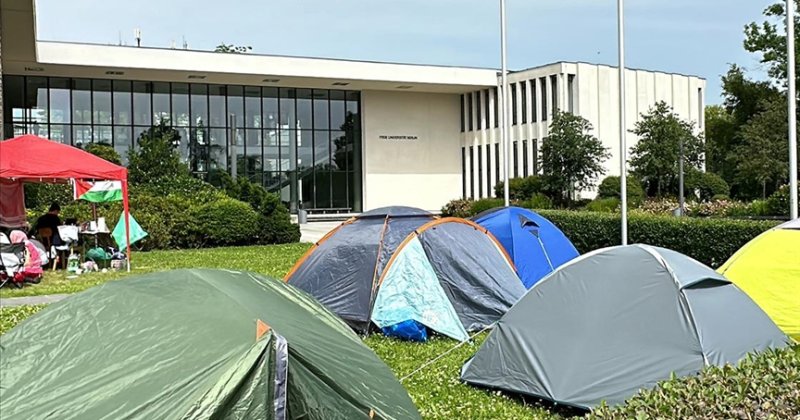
(37, 129)
(516, 160)
(352, 117)
(36, 99)
(252, 107)
(524, 94)
(304, 108)
(463, 169)
(216, 99)
(288, 151)
(219, 149)
(137, 132)
(271, 150)
(142, 112)
(321, 117)
(180, 105)
(101, 105)
(161, 110)
(199, 102)
(60, 133)
(59, 100)
(339, 149)
(287, 105)
(543, 95)
(81, 135)
(13, 98)
(305, 150)
(337, 110)
(322, 188)
(122, 103)
(122, 142)
(554, 92)
(81, 102)
(305, 184)
(469, 112)
(322, 149)
(198, 149)
(236, 104)
(269, 107)
(514, 110)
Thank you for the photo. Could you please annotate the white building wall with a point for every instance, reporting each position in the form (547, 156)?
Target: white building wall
(425, 172)
(595, 95)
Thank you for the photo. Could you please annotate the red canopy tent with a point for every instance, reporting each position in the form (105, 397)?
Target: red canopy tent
(30, 158)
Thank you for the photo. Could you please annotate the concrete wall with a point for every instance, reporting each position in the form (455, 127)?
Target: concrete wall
(422, 170)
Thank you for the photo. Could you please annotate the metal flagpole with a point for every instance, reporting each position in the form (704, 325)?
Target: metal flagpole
(505, 132)
(792, 95)
(623, 148)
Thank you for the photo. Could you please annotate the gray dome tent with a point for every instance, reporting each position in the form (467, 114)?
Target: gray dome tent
(615, 321)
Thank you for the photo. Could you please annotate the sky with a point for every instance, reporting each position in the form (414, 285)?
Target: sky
(696, 37)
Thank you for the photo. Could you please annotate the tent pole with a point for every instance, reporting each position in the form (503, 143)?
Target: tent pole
(126, 214)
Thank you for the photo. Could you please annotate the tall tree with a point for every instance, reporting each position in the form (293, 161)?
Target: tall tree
(720, 136)
(655, 158)
(572, 158)
(156, 156)
(763, 155)
(768, 39)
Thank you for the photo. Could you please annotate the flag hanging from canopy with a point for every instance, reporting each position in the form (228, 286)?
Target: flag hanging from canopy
(99, 191)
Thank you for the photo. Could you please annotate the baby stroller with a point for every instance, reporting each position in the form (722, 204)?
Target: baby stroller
(12, 264)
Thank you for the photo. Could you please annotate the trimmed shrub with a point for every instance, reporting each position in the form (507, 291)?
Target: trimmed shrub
(710, 241)
(226, 222)
(538, 201)
(520, 188)
(275, 225)
(41, 196)
(460, 207)
(706, 185)
(604, 205)
(484, 204)
(778, 203)
(193, 189)
(609, 188)
(762, 386)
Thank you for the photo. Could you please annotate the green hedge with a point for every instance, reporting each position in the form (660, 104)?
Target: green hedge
(710, 241)
(763, 386)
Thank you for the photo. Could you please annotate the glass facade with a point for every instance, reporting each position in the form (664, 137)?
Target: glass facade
(304, 144)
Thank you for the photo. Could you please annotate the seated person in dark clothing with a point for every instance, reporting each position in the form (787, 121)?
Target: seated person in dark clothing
(52, 221)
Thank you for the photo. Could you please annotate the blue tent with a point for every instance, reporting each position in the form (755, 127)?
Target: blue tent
(536, 246)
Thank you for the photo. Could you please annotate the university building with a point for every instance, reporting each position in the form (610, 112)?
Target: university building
(328, 135)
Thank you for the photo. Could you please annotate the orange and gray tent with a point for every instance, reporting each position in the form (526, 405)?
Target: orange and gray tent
(397, 264)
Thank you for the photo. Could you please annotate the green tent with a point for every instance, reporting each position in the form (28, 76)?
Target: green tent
(193, 344)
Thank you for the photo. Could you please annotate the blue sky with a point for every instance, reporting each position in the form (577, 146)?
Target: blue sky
(685, 36)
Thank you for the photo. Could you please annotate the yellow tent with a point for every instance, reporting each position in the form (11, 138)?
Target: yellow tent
(768, 270)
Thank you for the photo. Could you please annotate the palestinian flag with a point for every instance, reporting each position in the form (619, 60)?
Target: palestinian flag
(98, 192)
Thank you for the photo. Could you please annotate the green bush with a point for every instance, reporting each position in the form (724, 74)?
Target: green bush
(609, 188)
(104, 151)
(193, 189)
(226, 222)
(479, 206)
(520, 188)
(604, 205)
(275, 224)
(778, 203)
(721, 197)
(759, 208)
(710, 241)
(762, 386)
(460, 207)
(41, 196)
(707, 185)
(539, 201)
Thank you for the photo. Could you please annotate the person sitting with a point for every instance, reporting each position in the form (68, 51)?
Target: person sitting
(33, 257)
(50, 220)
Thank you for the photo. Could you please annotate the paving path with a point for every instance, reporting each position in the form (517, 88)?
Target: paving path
(314, 231)
(30, 300)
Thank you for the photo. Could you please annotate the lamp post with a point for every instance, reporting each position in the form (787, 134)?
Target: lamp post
(505, 131)
(623, 149)
(792, 96)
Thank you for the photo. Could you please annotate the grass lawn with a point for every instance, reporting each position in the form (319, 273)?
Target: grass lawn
(435, 390)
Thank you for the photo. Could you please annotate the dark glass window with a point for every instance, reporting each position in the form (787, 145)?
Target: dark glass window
(199, 105)
(36, 99)
(515, 157)
(571, 93)
(469, 111)
(543, 87)
(534, 101)
(122, 103)
(554, 92)
(269, 107)
(161, 100)
(497, 162)
(81, 101)
(496, 107)
(535, 152)
(479, 110)
(462, 113)
(337, 107)
(524, 92)
(217, 113)
(525, 158)
(305, 109)
(180, 105)
(142, 104)
(252, 107)
(60, 104)
(480, 171)
(463, 165)
(236, 104)
(514, 109)
(472, 172)
(321, 110)
(489, 192)
(486, 109)
(101, 102)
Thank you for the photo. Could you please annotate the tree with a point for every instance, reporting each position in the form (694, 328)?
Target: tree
(655, 158)
(720, 136)
(156, 158)
(763, 155)
(232, 49)
(572, 158)
(104, 151)
(768, 39)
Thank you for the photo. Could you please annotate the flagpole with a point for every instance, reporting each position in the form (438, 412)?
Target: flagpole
(792, 99)
(623, 149)
(505, 131)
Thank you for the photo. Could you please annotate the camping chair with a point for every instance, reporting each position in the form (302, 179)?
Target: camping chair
(12, 261)
(46, 236)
